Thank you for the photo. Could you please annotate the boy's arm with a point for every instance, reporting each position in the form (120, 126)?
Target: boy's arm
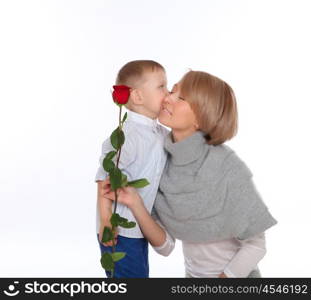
(105, 211)
(128, 156)
(105, 205)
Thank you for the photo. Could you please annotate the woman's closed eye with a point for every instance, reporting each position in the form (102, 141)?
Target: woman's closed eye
(179, 97)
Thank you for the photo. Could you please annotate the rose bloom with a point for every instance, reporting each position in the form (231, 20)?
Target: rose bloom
(121, 94)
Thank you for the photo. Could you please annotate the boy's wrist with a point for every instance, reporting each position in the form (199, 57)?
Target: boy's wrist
(105, 223)
(105, 217)
(105, 208)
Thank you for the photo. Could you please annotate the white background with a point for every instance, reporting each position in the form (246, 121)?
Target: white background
(58, 61)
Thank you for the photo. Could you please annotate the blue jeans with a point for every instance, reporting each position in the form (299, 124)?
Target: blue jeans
(135, 263)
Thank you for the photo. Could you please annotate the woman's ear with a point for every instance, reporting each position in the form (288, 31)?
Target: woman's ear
(196, 124)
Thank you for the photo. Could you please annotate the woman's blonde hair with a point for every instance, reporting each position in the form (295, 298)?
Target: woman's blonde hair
(214, 104)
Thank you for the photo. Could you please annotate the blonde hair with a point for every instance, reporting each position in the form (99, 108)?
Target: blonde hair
(214, 104)
(132, 72)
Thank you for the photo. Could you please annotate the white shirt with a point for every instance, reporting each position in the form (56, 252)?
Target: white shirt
(234, 257)
(142, 156)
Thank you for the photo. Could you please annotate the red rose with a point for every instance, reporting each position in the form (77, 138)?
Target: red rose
(121, 94)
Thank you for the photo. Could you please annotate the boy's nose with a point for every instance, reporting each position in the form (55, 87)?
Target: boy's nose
(167, 98)
(167, 92)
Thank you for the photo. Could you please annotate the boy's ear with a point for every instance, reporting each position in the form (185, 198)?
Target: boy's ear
(136, 97)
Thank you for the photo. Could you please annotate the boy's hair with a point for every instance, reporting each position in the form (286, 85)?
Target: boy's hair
(132, 72)
(214, 104)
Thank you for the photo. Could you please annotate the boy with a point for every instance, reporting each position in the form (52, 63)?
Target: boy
(142, 156)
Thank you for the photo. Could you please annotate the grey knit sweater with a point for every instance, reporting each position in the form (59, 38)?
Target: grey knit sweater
(206, 193)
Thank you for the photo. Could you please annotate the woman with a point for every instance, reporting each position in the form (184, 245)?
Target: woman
(206, 196)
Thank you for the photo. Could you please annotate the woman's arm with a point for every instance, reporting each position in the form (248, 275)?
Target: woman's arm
(129, 197)
(246, 259)
(169, 244)
(150, 229)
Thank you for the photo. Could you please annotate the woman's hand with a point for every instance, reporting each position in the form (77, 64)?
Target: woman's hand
(126, 195)
(222, 275)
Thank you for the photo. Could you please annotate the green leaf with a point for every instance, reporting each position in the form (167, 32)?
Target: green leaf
(128, 224)
(139, 183)
(124, 117)
(110, 155)
(114, 220)
(116, 256)
(115, 178)
(123, 180)
(108, 165)
(107, 261)
(117, 138)
(107, 235)
(123, 222)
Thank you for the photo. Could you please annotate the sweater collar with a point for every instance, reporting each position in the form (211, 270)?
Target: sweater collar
(186, 150)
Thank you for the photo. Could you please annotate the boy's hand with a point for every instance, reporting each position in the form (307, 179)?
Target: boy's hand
(106, 223)
(105, 186)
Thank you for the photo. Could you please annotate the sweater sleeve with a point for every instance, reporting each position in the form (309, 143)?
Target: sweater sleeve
(169, 244)
(257, 217)
(249, 215)
(252, 250)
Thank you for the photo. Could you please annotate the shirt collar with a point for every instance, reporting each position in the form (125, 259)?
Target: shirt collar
(141, 119)
(186, 150)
